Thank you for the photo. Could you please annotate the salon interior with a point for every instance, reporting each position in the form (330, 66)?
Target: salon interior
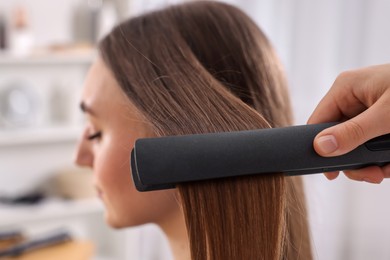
(46, 48)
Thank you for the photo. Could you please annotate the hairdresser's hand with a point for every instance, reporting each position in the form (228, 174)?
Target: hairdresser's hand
(362, 98)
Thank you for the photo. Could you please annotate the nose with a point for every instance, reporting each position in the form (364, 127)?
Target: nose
(83, 154)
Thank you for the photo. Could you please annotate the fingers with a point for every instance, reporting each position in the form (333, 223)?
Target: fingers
(327, 110)
(338, 102)
(371, 174)
(362, 97)
(331, 175)
(344, 137)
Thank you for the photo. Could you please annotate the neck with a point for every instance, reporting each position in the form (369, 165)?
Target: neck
(176, 232)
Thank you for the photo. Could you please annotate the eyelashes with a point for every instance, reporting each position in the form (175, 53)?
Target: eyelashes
(95, 136)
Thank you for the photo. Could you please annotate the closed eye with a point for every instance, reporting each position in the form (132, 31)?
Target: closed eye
(95, 135)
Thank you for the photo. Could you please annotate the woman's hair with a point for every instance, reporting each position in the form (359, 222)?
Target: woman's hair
(205, 67)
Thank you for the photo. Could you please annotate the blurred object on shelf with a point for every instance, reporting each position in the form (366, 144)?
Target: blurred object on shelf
(123, 8)
(85, 20)
(108, 17)
(93, 19)
(75, 250)
(68, 183)
(54, 245)
(10, 238)
(72, 183)
(29, 199)
(3, 32)
(21, 38)
(36, 243)
(59, 102)
(19, 105)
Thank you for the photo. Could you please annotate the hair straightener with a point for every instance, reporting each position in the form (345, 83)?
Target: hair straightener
(161, 163)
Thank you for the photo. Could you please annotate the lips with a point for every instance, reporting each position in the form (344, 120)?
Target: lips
(99, 192)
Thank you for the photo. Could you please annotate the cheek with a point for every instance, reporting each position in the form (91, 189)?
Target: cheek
(125, 206)
(111, 166)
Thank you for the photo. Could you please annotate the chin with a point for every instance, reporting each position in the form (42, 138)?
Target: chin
(119, 223)
(113, 222)
(115, 225)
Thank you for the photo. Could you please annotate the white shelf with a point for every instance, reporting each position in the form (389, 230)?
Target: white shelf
(48, 59)
(48, 210)
(46, 135)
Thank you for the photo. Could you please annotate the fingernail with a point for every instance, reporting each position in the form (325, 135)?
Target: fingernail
(371, 181)
(327, 144)
(386, 171)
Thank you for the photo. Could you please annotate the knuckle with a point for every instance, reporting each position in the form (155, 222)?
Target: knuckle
(347, 75)
(354, 131)
(345, 81)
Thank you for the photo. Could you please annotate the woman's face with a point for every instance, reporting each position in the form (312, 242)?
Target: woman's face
(112, 127)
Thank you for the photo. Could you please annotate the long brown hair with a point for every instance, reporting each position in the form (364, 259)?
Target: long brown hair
(205, 67)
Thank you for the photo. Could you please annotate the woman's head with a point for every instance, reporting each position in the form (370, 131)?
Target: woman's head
(194, 68)
(113, 126)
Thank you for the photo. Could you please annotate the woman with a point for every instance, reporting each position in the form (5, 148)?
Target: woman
(194, 68)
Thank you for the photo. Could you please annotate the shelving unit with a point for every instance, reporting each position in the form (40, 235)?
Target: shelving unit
(83, 219)
(65, 58)
(37, 136)
(50, 209)
(48, 142)
(30, 154)
(64, 66)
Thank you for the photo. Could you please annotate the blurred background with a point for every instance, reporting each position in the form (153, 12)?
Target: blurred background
(46, 48)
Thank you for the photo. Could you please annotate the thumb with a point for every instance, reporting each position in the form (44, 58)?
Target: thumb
(346, 136)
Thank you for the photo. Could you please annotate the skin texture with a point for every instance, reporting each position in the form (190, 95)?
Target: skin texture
(361, 98)
(110, 113)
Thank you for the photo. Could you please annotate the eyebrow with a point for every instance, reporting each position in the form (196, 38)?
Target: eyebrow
(86, 109)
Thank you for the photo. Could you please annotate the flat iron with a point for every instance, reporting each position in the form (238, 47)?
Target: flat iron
(161, 163)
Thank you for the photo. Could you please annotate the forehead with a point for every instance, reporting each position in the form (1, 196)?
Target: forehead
(100, 84)
(101, 88)
(105, 97)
